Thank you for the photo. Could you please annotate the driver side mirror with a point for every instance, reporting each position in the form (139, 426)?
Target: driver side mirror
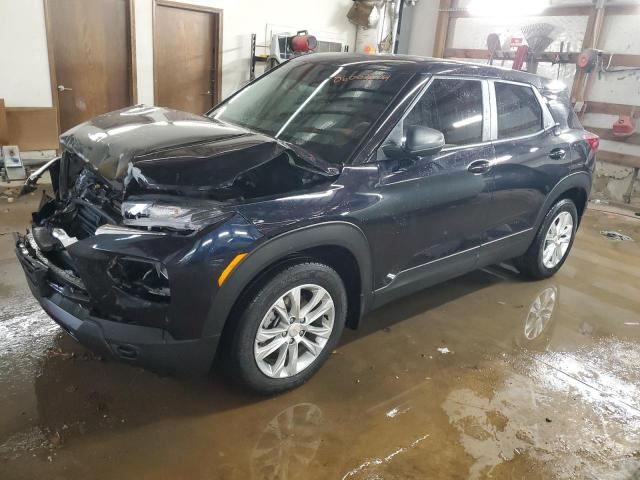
(422, 141)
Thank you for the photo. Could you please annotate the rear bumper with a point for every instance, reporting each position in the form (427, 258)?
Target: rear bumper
(142, 345)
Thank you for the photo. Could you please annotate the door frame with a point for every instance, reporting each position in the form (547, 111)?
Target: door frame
(217, 57)
(133, 77)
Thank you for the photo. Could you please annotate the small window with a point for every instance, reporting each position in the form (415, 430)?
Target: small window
(519, 112)
(453, 107)
(573, 121)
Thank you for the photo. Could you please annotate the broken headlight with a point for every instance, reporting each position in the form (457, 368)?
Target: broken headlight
(163, 215)
(142, 278)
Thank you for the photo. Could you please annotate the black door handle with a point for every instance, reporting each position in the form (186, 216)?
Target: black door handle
(479, 166)
(557, 153)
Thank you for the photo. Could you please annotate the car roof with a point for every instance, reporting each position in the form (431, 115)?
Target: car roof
(427, 65)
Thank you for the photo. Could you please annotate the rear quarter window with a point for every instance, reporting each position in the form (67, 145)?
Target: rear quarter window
(573, 121)
(519, 112)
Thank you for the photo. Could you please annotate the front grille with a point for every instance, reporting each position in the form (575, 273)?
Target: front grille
(88, 218)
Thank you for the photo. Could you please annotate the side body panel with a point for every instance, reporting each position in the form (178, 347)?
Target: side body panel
(424, 224)
(524, 174)
(526, 168)
(430, 221)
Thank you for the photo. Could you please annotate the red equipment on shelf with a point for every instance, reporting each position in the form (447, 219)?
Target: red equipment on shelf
(521, 56)
(624, 126)
(303, 42)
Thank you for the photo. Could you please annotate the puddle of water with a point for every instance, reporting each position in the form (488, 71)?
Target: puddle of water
(618, 236)
(486, 375)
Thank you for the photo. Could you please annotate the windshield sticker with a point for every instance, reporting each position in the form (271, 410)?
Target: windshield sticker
(362, 76)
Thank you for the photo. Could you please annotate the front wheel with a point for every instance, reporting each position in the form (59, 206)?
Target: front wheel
(553, 242)
(289, 328)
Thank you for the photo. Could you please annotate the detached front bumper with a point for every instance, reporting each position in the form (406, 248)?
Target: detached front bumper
(135, 344)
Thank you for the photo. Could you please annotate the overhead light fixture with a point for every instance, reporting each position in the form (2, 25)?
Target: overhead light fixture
(506, 8)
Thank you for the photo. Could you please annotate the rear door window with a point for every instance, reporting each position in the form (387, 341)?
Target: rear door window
(519, 112)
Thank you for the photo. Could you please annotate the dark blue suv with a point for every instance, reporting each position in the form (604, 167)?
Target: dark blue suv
(326, 188)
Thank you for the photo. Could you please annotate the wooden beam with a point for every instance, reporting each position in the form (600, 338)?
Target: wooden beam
(559, 11)
(621, 60)
(618, 159)
(607, 134)
(482, 54)
(442, 29)
(33, 128)
(618, 60)
(4, 128)
(474, 53)
(588, 41)
(611, 108)
(629, 9)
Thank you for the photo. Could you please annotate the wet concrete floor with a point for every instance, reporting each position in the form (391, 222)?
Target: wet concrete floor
(486, 376)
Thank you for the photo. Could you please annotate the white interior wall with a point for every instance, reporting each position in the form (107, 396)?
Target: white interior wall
(24, 64)
(25, 68)
(241, 19)
(619, 34)
(424, 19)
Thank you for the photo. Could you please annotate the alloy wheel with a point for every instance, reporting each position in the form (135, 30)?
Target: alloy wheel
(557, 240)
(294, 331)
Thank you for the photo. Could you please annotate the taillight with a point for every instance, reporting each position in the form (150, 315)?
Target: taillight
(592, 140)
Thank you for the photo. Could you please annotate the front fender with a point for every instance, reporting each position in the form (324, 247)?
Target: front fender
(335, 233)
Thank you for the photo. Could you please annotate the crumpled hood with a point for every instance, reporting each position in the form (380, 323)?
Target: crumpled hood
(166, 150)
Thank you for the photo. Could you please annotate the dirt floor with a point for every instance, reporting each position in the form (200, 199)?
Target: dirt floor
(486, 376)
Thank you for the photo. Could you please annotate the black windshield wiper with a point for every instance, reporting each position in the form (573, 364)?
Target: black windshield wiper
(321, 166)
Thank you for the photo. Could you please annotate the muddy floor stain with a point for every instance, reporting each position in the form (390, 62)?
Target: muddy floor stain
(486, 376)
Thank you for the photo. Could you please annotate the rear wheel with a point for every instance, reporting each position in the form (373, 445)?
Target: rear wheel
(553, 242)
(289, 328)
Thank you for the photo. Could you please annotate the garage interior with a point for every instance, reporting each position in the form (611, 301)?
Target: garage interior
(484, 376)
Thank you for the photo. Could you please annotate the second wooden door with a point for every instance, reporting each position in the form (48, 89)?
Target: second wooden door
(186, 57)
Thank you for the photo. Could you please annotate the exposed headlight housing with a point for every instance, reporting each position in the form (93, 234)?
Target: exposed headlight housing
(142, 278)
(163, 215)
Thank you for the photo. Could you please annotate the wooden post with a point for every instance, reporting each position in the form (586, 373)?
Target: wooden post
(442, 29)
(590, 40)
(4, 127)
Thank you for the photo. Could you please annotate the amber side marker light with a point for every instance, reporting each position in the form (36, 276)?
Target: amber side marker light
(232, 264)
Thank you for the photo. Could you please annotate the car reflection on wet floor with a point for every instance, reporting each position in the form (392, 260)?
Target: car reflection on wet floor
(486, 375)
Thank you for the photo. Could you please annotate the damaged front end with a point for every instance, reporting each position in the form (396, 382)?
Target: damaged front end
(105, 283)
(144, 217)
(84, 207)
(125, 277)
(74, 213)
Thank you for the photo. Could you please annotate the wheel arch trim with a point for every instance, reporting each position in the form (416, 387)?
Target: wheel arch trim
(580, 180)
(334, 233)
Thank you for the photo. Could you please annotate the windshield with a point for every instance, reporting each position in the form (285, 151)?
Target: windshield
(325, 109)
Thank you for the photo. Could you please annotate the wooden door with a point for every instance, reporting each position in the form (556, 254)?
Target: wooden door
(90, 57)
(186, 56)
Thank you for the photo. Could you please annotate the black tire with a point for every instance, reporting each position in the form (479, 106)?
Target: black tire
(531, 263)
(242, 364)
